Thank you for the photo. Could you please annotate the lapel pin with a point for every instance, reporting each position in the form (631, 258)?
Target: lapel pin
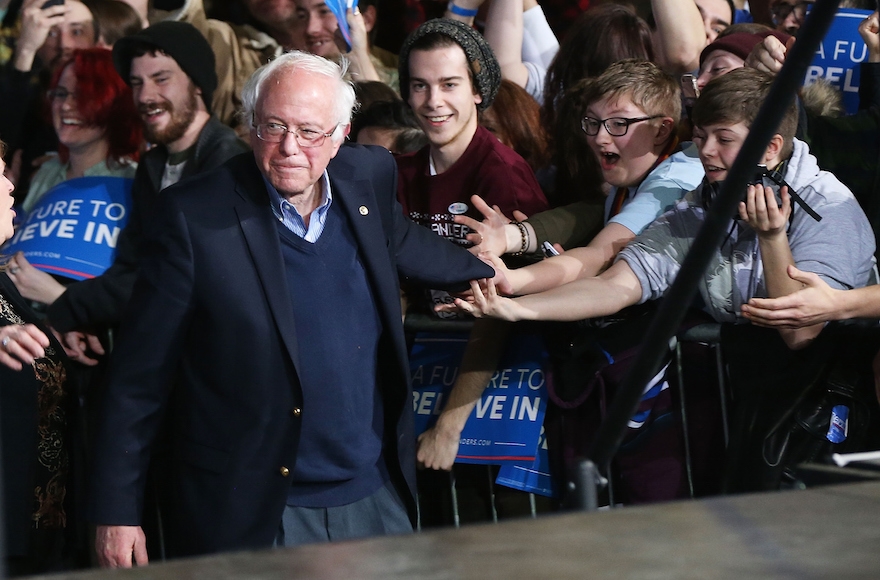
(364, 210)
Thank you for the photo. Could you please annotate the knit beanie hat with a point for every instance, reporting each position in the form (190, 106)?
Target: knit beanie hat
(179, 40)
(741, 43)
(480, 58)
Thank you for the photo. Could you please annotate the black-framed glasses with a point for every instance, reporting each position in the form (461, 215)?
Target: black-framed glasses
(60, 94)
(616, 126)
(782, 10)
(276, 132)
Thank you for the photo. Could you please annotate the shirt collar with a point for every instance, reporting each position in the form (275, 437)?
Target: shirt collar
(279, 203)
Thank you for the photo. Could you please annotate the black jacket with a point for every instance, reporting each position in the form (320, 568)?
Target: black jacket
(97, 303)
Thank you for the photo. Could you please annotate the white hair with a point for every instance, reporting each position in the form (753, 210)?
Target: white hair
(295, 59)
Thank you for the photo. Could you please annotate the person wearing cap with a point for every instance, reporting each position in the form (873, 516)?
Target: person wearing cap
(265, 328)
(730, 52)
(170, 67)
(448, 75)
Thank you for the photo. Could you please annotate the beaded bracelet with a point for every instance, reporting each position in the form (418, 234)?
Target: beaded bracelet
(459, 11)
(524, 234)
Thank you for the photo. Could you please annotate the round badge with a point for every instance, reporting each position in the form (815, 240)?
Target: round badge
(458, 208)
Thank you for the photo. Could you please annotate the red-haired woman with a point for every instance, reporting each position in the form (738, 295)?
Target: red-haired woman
(94, 116)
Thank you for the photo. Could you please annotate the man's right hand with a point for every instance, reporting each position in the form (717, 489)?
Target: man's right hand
(118, 546)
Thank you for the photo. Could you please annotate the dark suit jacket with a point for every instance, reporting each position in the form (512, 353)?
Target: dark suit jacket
(209, 337)
(97, 303)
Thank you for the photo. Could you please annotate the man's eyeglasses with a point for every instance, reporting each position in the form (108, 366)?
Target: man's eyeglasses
(782, 10)
(616, 126)
(276, 132)
(60, 94)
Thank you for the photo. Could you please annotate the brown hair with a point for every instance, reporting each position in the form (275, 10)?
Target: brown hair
(515, 118)
(646, 85)
(603, 35)
(736, 97)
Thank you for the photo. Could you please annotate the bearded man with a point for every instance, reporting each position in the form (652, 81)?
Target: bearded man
(170, 68)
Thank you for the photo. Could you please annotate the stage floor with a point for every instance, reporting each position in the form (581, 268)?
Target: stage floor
(825, 532)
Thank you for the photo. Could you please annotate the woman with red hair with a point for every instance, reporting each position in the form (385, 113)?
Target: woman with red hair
(94, 116)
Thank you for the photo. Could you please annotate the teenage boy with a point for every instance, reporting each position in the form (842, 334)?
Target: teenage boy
(448, 74)
(630, 126)
(760, 246)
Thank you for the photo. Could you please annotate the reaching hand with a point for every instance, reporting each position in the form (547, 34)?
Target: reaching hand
(489, 235)
(762, 212)
(815, 303)
(870, 31)
(32, 283)
(486, 303)
(769, 54)
(21, 344)
(115, 546)
(437, 448)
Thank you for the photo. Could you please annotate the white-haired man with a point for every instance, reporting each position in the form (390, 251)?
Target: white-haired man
(270, 306)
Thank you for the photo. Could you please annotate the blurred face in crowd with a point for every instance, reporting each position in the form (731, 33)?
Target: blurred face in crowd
(719, 145)
(716, 17)
(319, 27)
(166, 98)
(77, 31)
(271, 12)
(7, 214)
(625, 160)
(72, 130)
(718, 62)
(789, 15)
(298, 100)
(442, 96)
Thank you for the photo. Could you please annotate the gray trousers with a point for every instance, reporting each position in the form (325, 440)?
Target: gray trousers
(382, 513)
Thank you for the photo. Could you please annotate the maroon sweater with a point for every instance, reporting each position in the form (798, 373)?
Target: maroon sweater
(487, 168)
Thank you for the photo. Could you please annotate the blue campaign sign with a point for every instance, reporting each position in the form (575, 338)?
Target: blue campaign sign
(506, 423)
(73, 229)
(339, 9)
(530, 477)
(838, 57)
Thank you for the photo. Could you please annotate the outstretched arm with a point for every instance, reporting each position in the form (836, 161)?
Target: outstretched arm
(438, 446)
(680, 35)
(577, 263)
(615, 289)
(504, 33)
(816, 302)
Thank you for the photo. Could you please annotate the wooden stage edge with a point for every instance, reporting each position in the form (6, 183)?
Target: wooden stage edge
(823, 532)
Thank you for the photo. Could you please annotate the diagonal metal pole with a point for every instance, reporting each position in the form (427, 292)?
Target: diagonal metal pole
(679, 297)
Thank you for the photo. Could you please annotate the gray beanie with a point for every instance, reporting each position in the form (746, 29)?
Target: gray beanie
(481, 59)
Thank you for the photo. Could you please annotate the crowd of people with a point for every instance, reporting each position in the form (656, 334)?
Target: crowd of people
(238, 375)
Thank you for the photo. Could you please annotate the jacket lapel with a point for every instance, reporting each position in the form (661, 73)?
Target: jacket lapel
(259, 230)
(358, 202)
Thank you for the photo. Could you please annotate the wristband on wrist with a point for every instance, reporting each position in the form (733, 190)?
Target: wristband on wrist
(524, 235)
(459, 11)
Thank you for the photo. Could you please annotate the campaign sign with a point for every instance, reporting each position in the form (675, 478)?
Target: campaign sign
(339, 9)
(506, 422)
(839, 54)
(530, 477)
(73, 229)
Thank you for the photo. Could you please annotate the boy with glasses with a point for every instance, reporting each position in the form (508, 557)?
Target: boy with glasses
(630, 125)
(789, 15)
